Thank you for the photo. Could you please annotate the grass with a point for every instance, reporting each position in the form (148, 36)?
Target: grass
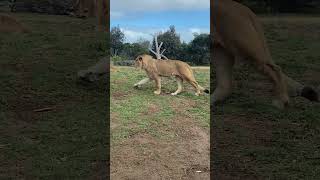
(38, 70)
(254, 140)
(261, 141)
(137, 111)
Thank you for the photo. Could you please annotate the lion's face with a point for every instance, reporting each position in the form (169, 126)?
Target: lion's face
(138, 63)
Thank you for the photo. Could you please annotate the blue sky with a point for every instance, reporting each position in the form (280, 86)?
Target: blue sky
(141, 18)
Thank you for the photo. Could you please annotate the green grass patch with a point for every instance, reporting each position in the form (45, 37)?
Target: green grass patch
(141, 111)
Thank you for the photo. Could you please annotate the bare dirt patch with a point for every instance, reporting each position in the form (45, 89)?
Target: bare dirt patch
(238, 133)
(114, 119)
(152, 109)
(184, 156)
(100, 170)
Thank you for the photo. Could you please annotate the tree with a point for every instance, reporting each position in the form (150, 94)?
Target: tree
(199, 49)
(131, 51)
(116, 40)
(157, 48)
(171, 42)
(143, 43)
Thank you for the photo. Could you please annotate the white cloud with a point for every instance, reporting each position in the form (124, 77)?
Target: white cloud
(133, 36)
(116, 14)
(127, 6)
(195, 30)
(187, 34)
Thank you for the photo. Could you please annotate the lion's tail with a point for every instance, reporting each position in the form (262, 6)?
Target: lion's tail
(201, 88)
(204, 89)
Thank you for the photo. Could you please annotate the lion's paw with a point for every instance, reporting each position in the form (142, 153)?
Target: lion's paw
(157, 92)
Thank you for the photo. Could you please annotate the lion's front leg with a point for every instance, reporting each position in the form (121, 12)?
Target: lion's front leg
(158, 86)
(143, 81)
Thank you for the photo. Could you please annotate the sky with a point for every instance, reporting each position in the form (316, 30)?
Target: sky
(142, 18)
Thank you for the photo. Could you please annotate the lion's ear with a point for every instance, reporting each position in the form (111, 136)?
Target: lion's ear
(140, 58)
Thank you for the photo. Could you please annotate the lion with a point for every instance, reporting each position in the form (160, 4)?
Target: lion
(10, 24)
(93, 8)
(155, 69)
(238, 34)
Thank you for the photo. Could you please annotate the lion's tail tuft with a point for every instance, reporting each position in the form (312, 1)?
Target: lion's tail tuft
(310, 93)
(204, 89)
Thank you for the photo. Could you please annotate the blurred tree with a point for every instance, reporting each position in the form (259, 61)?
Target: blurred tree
(117, 38)
(131, 51)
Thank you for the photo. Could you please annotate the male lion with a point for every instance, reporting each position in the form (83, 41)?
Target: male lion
(156, 69)
(237, 34)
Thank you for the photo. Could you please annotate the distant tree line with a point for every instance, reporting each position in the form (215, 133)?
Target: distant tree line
(196, 52)
(283, 6)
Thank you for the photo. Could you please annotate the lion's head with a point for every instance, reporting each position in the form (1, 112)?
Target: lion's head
(142, 61)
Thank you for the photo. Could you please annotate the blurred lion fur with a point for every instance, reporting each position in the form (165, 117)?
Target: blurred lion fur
(11, 24)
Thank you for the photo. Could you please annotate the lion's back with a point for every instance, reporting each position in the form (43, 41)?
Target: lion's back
(173, 67)
(183, 68)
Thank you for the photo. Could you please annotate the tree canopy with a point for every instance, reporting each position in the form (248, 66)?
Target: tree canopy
(196, 52)
(117, 38)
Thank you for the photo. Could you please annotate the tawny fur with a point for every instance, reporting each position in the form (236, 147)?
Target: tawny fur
(238, 34)
(155, 69)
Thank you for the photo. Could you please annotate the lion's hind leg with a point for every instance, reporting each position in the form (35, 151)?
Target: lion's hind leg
(280, 87)
(223, 62)
(179, 82)
(195, 84)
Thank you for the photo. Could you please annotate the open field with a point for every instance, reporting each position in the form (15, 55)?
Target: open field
(158, 137)
(151, 135)
(38, 70)
(253, 140)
